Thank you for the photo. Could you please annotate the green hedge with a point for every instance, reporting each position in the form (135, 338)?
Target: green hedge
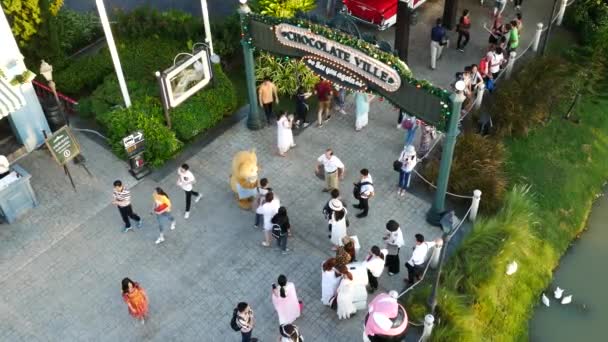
(145, 115)
(205, 109)
(84, 74)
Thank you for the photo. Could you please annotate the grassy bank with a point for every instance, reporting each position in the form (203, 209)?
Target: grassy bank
(563, 166)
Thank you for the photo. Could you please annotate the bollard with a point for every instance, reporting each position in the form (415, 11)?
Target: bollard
(537, 35)
(510, 63)
(434, 260)
(562, 11)
(475, 205)
(428, 327)
(479, 96)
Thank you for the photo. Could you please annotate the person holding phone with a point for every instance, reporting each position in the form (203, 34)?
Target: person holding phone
(408, 161)
(285, 300)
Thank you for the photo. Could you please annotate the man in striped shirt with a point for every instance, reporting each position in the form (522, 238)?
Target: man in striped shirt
(121, 197)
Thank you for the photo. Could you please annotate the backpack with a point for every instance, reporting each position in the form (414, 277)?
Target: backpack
(276, 231)
(233, 324)
(483, 66)
(357, 189)
(295, 334)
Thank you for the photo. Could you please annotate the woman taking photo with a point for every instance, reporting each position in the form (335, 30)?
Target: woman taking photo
(408, 162)
(285, 300)
(162, 210)
(284, 133)
(375, 265)
(136, 299)
(393, 239)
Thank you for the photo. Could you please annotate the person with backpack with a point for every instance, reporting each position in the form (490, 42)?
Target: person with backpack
(363, 191)
(290, 333)
(281, 228)
(243, 321)
(464, 24)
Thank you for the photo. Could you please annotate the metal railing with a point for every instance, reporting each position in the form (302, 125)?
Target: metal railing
(45, 93)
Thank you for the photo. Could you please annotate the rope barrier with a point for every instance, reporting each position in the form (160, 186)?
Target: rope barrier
(90, 131)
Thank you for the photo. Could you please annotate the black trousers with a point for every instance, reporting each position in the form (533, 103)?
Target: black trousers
(373, 281)
(517, 2)
(467, 37)
(189, 198)
(127, 213)
(413, 272)
(364, 206)
(392, 262)
(268, 111)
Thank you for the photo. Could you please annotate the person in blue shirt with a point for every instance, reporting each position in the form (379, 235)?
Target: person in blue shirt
(438, 41)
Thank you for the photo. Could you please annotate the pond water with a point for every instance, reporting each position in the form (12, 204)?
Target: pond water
(582, 274)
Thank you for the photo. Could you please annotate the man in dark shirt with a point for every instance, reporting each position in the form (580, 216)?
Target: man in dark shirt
(323, 90)
(438, 40)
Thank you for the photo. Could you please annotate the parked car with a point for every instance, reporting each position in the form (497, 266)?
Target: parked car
(379, 13)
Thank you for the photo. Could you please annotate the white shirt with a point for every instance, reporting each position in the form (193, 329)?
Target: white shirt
(395, 238)
(376, 264)
(4, 164)
(330, 165)
(268, 210)
(420, 252)
(409, 161)
(495, 61)
(367, 189)
(185, 180)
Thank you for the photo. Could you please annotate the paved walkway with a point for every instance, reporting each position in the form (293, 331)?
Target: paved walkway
(62, 265)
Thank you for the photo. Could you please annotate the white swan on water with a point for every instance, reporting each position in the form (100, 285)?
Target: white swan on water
(545, 300)
(558, 293)
(567, 299)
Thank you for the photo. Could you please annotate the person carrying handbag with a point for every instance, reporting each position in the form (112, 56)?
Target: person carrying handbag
(281, 228)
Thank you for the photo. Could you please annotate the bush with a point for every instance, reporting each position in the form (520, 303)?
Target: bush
(285, 73)
(590, 19)
(141, 58)
(534, 94)
(478, 164)
(108, 95)
(206, 108)
(84, 74)
(285, 8)
(76, 30)
(146, 22)
(145, 115)
(227, 36)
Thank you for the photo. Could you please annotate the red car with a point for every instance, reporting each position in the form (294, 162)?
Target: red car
(380, 13)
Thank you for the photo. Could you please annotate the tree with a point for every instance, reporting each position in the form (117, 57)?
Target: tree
(285, 8)
(25, 17)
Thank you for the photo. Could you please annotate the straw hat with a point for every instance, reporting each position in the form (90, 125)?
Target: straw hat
(335, 205)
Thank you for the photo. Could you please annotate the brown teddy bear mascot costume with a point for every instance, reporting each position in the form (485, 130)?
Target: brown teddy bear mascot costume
(244, 177)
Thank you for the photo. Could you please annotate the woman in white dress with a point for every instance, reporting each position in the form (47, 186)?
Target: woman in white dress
(329, 281)
(344, 295)
(338, 222)
(362, 101)
(284, 133)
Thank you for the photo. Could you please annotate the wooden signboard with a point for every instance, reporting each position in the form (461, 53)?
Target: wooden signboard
(63, 145)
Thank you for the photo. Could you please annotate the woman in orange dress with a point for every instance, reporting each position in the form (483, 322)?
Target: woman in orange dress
(136, 299)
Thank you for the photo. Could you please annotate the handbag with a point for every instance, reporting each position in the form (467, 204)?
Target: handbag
(397, 165)
(276, 231)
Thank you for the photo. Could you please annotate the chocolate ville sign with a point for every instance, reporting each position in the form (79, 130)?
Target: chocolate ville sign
(367, 67)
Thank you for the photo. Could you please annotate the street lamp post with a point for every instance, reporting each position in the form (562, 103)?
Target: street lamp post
(254, 121)
(438, 207)
(46, 70)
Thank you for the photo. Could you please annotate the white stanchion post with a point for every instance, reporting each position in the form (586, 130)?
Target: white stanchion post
(429, 321)
(475, 205)
(113, 52)
(479, 96)
(435, 256)
(562, 11)
(537, 35)
(510, 63)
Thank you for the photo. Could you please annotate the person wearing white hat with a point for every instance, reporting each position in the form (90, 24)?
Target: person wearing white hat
(4, 167)
(408, 162)
(338, 222)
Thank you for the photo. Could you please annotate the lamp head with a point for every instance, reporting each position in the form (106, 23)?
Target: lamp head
(243, 2)
(459, 86)
(46, 70)
(215, 59)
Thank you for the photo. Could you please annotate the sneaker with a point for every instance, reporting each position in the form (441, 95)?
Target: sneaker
(159, 240)
(143, 321)
(140, 223)
(285, 251)
(342, 111)
(126, 229)
(461, 50)
(328, 117)
(186, 216)
(173, 225)
(306, 124)
(320, 126)
(198, 198)
(256, 226)
(391, 274)
(265, 244)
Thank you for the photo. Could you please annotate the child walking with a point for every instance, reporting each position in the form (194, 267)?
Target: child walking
(136, 299)
(185, 180)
